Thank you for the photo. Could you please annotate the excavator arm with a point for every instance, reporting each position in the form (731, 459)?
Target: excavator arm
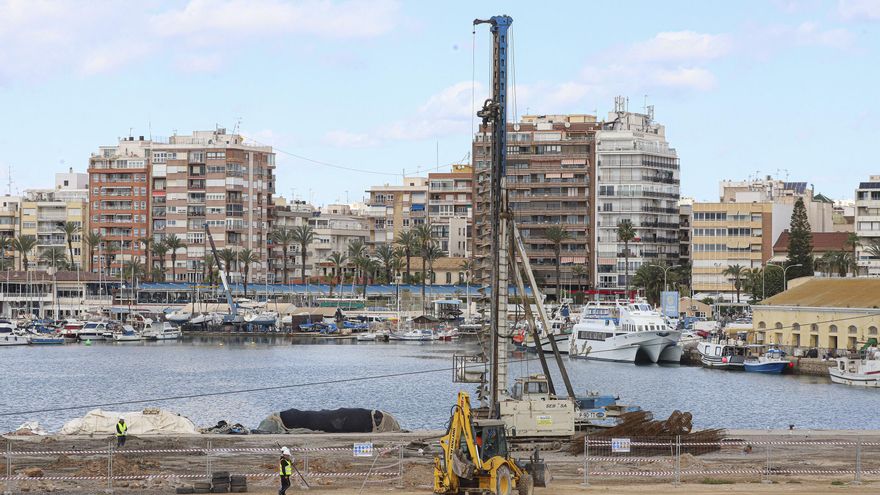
(458, 441)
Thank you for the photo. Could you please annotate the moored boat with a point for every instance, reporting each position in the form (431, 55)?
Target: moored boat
(863, 371)
(9, 335)
(92, 331)
(727, 354)
(156, 330)
(128, 334)
(773, 361)
(624, 331)
(418, 335)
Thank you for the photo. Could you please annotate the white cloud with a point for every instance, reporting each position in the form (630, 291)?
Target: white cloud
(810, 33)
(859, 9)
(208, 20)
(687, 78)
(346, 139)
(40, 38)
(679, 46)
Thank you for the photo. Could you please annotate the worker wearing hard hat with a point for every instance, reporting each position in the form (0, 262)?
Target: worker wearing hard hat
(285, 470)
(121, 429)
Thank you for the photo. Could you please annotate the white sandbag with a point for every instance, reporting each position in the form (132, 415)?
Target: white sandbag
(147, 422)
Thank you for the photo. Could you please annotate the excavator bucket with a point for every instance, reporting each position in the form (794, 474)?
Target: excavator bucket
(462, 468)
(538, 470)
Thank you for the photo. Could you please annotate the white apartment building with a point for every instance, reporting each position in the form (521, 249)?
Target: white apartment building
(867, 223)
(637, 179)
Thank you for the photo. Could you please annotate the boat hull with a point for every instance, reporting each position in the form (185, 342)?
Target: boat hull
(854, 379)
(628, 347)
(561, 344)
(774, 368)
(47, 340)
(9, 340)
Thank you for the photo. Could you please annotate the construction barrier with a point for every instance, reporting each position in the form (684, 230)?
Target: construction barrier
(356, 464)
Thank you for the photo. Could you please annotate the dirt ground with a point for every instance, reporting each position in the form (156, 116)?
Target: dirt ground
(333, 455)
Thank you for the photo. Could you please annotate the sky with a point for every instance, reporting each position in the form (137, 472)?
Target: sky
(355, 93)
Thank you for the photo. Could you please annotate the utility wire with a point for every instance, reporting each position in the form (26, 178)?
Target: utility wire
(243, 391)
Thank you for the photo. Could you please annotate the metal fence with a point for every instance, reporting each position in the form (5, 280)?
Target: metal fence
(92, 464)
(735, 459)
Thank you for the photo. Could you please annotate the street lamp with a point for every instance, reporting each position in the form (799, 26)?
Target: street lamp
(784, 278)
(665, 270)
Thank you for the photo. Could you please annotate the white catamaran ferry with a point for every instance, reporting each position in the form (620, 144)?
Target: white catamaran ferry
(624, 331)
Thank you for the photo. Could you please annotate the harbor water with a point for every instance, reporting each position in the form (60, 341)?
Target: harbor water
(45, 378)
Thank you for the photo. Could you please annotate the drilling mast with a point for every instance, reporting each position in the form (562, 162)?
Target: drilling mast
(494, 112)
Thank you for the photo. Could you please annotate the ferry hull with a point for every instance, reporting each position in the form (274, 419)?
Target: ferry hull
(853, 379)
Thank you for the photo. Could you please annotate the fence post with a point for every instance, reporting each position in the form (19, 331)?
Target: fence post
(110, 467)
(208, 460)
(8, 484)
(400, 466)
(766, 477)
(677, 460)
(858, 478)
(586, 482)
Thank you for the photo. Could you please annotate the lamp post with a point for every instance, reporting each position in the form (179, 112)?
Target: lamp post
(784, 278)
(665, 270)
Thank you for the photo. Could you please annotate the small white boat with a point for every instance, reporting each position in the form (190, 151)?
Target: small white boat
(372, 337)
(263, 318)
(9, 335)
(863, 371)
(70, 329)
(178, 317)
(206, 319)
(423, 335)
(448, 334)
(155, 330)
(128, 334)
(93, 330)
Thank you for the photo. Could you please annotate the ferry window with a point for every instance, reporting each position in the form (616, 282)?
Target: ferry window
(717, 351)
(536, 387)
(641, 328)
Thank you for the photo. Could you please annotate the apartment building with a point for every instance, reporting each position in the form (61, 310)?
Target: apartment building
(119, 201)
(685, 212)
(637, 180)
(9, 215)
(784, 194)
(549, 182)
(450, 209)
(157, 187)
(45, 211)
(287, 215)
(212, 178)
(336, 226)
(395, 208)
(727, 234)
(867, 223)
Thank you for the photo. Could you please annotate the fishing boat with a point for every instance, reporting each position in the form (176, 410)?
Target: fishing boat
(70, 329)
(863, 371)
(773, 361)
(726, 354)
(128, 334)
(93, 330)
(155, 330)
(43, 335)
(9, 335)
(372, 337)
(623, 331)
(448, 334)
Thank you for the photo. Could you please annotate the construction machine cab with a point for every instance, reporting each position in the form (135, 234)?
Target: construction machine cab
(531, 387)
(491, 438)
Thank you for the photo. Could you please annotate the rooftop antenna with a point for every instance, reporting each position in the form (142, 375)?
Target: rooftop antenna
(645, 106)
(9, 181)
(237, 126)
(129, 131)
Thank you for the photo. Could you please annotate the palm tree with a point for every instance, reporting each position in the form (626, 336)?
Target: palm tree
(386, 254)
(283, 237)
(133, 269)
(147, 242)
(93, 240)
(303, 235)
(357, 251)
(210, 269)
(853, 242)
(173, 243)
(557, 235)
(735, 271)
(873, 248)
(110, 250)
(367, 266)
(24, 244)
(70, 229)
(580, 272)
(844, 261)
(247, 257)
(422, 239)
(431, 254)
(625, 234)
(55, 257)
(160, 249)
(467, 266)
(406, 240)
(828, 262)
(5, 246)
(338, 260)
(228, 257)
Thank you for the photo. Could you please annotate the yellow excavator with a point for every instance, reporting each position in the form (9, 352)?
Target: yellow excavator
(476, 460)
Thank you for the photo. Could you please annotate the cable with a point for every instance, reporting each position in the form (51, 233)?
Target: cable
(242, 391)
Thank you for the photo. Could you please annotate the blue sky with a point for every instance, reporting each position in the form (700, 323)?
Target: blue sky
(786, 88)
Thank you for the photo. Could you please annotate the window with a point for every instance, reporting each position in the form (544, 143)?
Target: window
(832, 329)
(814, 328)
(852, 330)
(872, 330)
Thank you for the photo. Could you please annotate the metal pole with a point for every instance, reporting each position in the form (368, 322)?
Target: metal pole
(8, 487)
(586, 460)
(110, 466)
(306, 463)
(858, 478)
(766, 478)
(677, 460)
(208, 460)
(400, 466)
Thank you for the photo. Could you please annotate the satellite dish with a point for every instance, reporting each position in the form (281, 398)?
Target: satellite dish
(515, 127)
(567, 125)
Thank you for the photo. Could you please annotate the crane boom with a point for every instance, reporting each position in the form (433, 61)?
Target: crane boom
(233, 309)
